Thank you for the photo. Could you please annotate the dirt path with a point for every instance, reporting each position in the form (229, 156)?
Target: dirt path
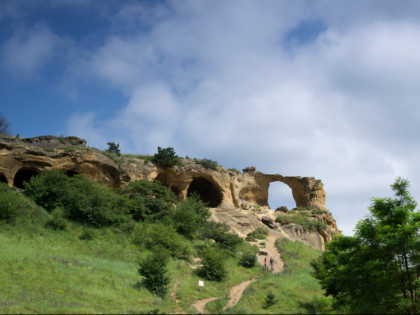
(200, 305)
(271, 250)
(236, 293)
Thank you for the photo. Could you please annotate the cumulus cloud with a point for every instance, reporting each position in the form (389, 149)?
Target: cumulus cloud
(218, 81)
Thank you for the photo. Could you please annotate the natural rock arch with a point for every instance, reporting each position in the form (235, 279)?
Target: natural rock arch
(24, 175)
(280, 194)
(3, 178)
(208, 191)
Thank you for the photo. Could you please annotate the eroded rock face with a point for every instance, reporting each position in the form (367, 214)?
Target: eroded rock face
(220, 188)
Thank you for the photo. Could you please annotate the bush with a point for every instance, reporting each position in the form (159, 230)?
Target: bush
(154, 272)
(148, 199)
(303, 220)
(189, 216)
(14, 205)
(113, 148)
(219, 232)
(48, 189)
(87, 235)
(270, 299)
(166, 158)
(209, 164)
(165, 238)
(212, 264)
(248, 259)
(258, 234)
(57, 222)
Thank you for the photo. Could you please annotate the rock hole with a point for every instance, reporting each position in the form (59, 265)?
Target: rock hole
(24, 175)
(206, 190)
(280, 194)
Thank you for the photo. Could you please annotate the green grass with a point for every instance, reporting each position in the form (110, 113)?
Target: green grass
(294, 288)
(302, 219)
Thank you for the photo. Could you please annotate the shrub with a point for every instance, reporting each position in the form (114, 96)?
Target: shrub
(14, 204)
(189, 216)
(48, 188)
(57, 222)
(270, 299)
(166, 158)
(209, 164)
(303, 220)
(219, 232)
(148, 199)
(154, 272)
(248, 259)
(87, 235)
(113, 148)
(164, 237)
(212, 264)
(259, 233)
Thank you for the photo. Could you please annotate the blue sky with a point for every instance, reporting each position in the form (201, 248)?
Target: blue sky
(328, 89)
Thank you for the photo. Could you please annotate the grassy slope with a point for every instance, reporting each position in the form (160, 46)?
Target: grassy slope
(293, 288)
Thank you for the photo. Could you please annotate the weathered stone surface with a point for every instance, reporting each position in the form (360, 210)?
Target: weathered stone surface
(229, 193)
(282, 209)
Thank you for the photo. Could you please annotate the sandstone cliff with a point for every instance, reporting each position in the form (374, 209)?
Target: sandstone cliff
(238, 199)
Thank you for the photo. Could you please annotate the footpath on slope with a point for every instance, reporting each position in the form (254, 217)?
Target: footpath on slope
(237, 291)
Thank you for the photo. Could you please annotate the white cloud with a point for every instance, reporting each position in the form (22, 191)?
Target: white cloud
(213, 81)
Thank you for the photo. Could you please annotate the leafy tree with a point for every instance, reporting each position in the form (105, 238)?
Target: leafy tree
(154, 272)
(166, 158)
(212, 264)
(4, 125)
(248, 259)
(113, 148)
(377, 270)
(219, 232)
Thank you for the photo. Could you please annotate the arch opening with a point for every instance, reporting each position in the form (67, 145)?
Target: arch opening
(3, 178)
(71, 173)
(24, 175)
(280, 194)
(206, 190)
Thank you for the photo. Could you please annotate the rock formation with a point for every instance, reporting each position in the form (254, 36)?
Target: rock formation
(233, 196)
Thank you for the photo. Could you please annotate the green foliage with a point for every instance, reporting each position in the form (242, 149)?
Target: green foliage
(259, 233)
(219, 232)
(154, 271)
(148, 199)
(209, 164)
(318, 211)
(15, 205)
(166, 157)
(189, 216)
(377, 269)
(212, 264)
(270, 299)
(161, 237)
(303, 220)
(248, 259)
(87, 235)
(48, 189)
(57, 222)
(113, 148)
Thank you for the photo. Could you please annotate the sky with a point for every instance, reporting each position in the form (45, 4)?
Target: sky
(324, 89)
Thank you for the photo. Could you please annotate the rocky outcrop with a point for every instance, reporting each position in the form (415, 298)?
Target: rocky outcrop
(20, 159)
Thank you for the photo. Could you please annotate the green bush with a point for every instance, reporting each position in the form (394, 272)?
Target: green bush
(87, 235)
(153, 269)
(303, 220)
(248, 259)
(270, 299)
(113, 148)
(15, 205)
(164, 237)
(57, 222)
(189, 216)
(48, 188)
(148, 199)
(209, 164)
(212, 264)
(219, 232)
(166, 158)
(259, 233)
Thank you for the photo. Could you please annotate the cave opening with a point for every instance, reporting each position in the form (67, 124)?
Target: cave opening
(280, 194)
(3, 178)
(206, 190)
(24, 175)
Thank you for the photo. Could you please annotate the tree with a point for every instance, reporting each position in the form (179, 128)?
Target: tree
(166, 157)
(113, 148)
(154, 272)
(4, 125)
(212, 264)
(377, 270)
